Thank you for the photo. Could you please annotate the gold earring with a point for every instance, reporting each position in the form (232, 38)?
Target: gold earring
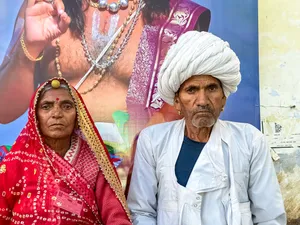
(222, 109)
(179, 112)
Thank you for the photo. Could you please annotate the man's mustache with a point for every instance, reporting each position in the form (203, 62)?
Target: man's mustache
(206, 108)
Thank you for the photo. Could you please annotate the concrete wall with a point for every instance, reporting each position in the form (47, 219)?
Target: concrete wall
(279, 52)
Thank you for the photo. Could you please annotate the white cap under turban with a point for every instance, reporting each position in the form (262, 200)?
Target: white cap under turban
(198, 53)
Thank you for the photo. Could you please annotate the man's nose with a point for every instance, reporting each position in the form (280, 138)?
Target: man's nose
(202, 98)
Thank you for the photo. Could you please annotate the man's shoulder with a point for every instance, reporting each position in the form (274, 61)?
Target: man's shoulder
(240, 125)
(244, 135)
(241, 128)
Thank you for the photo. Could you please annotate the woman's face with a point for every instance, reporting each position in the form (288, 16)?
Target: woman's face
(56, 114)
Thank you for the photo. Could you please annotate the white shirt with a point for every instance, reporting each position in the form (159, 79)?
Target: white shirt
(233, 181)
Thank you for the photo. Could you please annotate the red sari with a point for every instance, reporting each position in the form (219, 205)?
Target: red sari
(37, 186)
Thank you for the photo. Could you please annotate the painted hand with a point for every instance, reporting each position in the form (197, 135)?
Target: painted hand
(44, 22)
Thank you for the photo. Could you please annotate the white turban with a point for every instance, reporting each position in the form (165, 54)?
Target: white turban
(198, 53)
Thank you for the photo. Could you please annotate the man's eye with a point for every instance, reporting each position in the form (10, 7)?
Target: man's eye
(212, 88)
(191, 90)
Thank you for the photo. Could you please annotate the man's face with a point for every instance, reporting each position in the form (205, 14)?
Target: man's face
(200, 100)
(56, 114)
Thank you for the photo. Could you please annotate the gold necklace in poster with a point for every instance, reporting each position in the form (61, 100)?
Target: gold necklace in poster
(111, 58)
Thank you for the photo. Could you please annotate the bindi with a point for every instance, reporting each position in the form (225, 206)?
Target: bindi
(57, 99)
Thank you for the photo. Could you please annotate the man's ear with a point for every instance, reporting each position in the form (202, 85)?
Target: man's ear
(177, 103)
(223, 102)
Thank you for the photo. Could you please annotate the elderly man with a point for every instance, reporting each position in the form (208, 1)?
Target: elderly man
(201, 170)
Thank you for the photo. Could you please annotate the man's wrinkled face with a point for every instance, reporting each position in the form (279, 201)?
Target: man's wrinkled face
(56, 114)
(200, 100)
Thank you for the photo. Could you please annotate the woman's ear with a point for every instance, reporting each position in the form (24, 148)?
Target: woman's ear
(76, 124)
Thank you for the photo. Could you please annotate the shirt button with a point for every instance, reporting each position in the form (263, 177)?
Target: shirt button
(198, 198)
(195, 205)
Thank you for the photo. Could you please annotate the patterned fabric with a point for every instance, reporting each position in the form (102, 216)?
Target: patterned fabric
(40, 187)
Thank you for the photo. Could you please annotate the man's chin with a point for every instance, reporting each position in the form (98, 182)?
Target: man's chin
(202, 123)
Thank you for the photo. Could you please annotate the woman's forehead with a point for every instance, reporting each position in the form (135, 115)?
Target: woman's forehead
(56, 94)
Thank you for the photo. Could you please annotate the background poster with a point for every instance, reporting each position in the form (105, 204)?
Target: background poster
(234, 21)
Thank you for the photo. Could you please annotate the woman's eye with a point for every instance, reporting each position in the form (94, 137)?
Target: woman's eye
(45, 107)
(67, 106)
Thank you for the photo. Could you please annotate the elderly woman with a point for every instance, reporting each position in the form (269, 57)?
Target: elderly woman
(58, 171)
(202, 170)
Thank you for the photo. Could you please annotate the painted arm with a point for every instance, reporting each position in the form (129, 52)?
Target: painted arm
(16, 70)
(16, 76)
(264, 192)
(142, 199)
(110, 208)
